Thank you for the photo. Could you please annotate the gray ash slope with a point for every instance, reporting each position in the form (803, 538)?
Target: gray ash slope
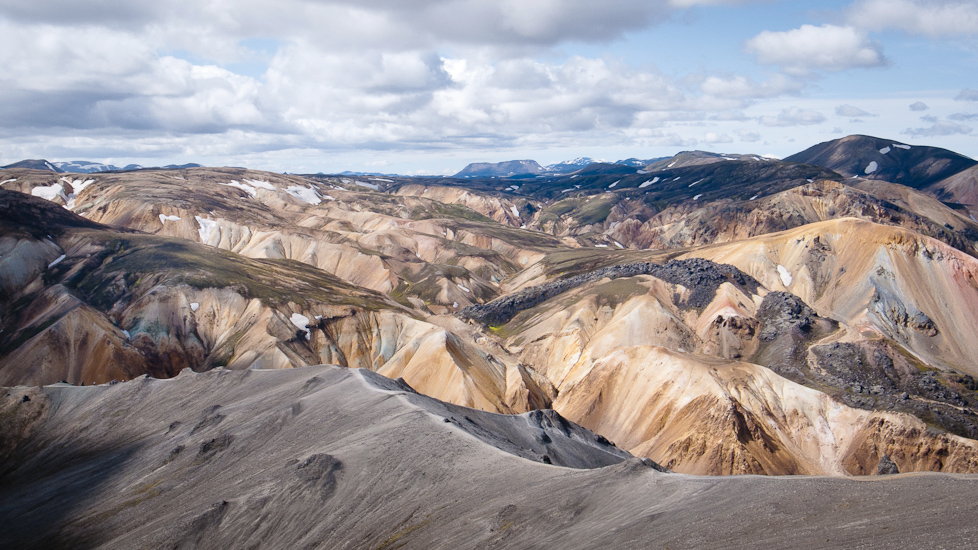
(702, 276)
(325, 457)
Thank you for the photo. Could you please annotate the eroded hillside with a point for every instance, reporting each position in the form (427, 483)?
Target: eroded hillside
(718, 314)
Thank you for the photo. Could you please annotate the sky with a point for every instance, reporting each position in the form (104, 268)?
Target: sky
(427, 86)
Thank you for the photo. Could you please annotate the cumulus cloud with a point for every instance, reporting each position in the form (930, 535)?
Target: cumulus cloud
(809, 47)
(939, 129)
(935, 18)
(852, 111)
(963, 116)
(967, 95)
(793, 116)
(919, 106)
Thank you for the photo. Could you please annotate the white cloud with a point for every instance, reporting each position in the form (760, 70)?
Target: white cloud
(807, 48)
(935, 18)
(939, 129)
(852, 111)
(741, 87)
(793, 116)
(919, 106)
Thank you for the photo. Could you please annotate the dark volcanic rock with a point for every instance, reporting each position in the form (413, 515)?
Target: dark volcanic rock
(887, 466)
(702, 277)
(782, 312)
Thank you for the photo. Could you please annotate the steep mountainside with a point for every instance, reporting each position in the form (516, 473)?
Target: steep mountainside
(88, 304)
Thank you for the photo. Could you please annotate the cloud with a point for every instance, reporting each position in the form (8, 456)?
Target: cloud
(963, 116)
(919, 106)
(939, 129)
(793, 116)
(741, 87)
(715, 137)
(967, 95)
(935, 18)
(807, 48)
(852, 111)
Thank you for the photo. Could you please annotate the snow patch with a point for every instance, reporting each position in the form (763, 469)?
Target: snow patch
(261, 184)
(695, 182)
(8, 181)
(600, 246)
(697, 197)
(884, 150)
(127, 335)
(78, 186)
(785, 275)
(676, 178)
(385, 180)
(301, 322)
(752, 198)
(208, 229)
(514, 211)
(194, 306)
(647, 183)
(165, 218)
(673, 163)
(359, 183)
(463, 287)
(614, 184)
(901, 146)
(455, 305)
(872, 167)
(243, 186)
(49, 192)
(618, 244)
(56, 261)
(304, 194)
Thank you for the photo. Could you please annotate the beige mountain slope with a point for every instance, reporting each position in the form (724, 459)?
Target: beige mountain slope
(880, 280)
(441, 255)
(702, 367)
(326, 457)
(653, 365)
(961, 188)
(627, 220)
(87, 304)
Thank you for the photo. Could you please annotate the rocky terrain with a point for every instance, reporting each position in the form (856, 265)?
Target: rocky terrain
(714, 314)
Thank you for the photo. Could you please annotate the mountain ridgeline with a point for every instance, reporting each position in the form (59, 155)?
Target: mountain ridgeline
(706, 313)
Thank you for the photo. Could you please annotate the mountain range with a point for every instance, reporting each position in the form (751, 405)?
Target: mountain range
(87, 167)
(225, 356)
(531, 168)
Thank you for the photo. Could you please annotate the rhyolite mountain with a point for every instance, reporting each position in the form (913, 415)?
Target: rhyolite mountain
(710, 313)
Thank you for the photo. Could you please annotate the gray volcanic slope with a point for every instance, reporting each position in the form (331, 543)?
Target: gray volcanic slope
(324, 457)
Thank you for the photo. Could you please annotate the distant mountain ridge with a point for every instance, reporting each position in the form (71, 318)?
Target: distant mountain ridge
(89, 167)
(514, 168)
